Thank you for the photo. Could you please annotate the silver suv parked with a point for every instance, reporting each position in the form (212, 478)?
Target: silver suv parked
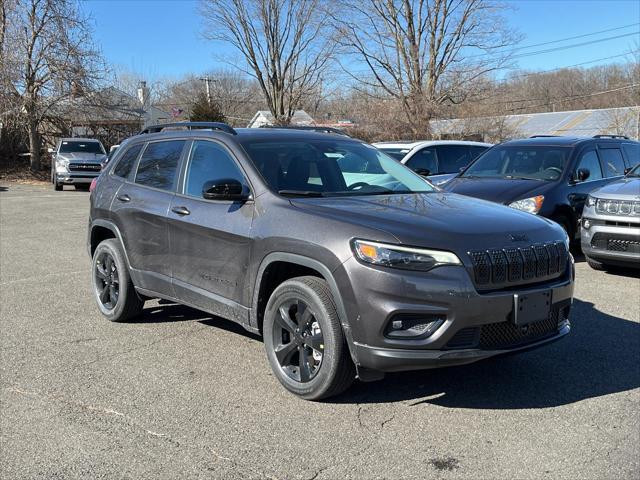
(76, 161)
(611, 224)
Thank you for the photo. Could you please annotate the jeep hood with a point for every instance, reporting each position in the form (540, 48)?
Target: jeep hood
(624, 189)
(437, 220)
(500, 190)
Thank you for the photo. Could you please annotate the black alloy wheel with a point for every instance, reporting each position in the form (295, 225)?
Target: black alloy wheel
(107, 280)
(297, 341)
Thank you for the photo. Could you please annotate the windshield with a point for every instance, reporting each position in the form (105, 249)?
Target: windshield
(331, 167)
(85, 147)
(396, 153)
(526, 162)
(635, 171)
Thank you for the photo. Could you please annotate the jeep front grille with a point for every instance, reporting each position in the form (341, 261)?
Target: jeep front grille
(499, 335)
(500, 267)
(616, 243)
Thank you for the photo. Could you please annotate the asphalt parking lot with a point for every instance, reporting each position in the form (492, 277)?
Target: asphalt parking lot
(179, 394)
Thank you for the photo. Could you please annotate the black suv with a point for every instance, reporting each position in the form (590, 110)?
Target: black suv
(347, 262)
(546, 175)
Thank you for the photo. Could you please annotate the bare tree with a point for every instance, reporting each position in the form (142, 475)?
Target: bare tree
(422, 52)
(51, 50)
(285, 45)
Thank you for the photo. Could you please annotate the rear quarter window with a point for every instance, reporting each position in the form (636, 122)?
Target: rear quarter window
(127, 160)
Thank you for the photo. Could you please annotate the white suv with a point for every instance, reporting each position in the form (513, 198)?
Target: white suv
(438, 160)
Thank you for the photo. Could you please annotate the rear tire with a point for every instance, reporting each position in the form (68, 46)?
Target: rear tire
(595, 265)
(304, 341)
(113, 289)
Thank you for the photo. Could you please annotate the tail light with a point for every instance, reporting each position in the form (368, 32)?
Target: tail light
(92, 187)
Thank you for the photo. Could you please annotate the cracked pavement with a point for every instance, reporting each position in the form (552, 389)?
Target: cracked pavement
(179, 394)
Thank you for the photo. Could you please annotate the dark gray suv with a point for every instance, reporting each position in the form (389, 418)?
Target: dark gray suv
(348, 263)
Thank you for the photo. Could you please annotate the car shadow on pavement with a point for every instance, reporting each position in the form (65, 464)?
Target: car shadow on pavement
(598, 357)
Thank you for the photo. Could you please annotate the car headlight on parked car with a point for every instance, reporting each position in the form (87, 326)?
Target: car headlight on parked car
(62, 162)
(591, 201)
(530, 205)
(406, 258)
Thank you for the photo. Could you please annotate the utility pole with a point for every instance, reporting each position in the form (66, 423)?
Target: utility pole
(207, 83)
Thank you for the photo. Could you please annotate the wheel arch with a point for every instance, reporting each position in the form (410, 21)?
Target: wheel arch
(305, 266)
(102, 230)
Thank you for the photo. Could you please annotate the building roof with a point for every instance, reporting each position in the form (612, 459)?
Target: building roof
(577, 123)
(265, 117)
(109, 105)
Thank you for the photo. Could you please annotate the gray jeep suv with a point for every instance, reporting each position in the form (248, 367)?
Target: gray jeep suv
(345, 261)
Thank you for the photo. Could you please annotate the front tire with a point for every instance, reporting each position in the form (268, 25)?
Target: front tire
(56, 185)
(113, 289)
(304, 341)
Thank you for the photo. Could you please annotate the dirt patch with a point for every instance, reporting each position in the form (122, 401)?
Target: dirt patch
(19, 172)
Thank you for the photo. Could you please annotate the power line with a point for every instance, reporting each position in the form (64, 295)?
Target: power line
(557, 69)
(566, 47)
(559, 40)
(571, 97)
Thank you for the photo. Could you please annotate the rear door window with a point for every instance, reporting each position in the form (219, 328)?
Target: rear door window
(612, 162)
(126, 162)
(451, 158)
(158, 165)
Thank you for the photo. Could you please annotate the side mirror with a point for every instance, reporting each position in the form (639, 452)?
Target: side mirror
(425, 172)
(582, 174)
(224, 189)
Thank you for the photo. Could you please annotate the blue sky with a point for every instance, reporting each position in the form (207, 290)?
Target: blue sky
(161, 38)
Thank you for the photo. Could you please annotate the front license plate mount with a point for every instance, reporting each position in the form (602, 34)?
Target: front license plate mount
(531, 307)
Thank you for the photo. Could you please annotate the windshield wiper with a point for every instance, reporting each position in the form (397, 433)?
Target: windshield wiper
(516, 177)
(300, 193)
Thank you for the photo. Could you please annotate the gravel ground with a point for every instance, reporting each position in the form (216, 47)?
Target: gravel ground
(179, 394)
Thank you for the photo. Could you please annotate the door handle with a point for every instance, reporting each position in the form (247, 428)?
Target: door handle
(124, 198)
(181, 210)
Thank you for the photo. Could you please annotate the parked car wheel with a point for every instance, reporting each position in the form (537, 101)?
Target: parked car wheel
(304, 340)
(595, 265)
(54, 179)
(114, 292)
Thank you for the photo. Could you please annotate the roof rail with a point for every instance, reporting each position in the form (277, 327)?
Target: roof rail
(624, 137)
(542, 136)
(312, 128)
(223, 127)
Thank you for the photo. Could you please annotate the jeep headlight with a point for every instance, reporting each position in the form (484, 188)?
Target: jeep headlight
(591, 201)
(530, 205)
(407, 258)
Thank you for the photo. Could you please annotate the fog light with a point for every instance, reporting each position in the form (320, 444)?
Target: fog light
(586, 223)
(413, 326)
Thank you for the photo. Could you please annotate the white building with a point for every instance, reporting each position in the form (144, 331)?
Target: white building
(264, 117)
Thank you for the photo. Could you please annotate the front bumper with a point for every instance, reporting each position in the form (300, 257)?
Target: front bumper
(614, 244)
(476, 326)
(395, 360)
(69, 178)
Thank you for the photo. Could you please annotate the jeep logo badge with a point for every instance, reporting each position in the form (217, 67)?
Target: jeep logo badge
(518, 238)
